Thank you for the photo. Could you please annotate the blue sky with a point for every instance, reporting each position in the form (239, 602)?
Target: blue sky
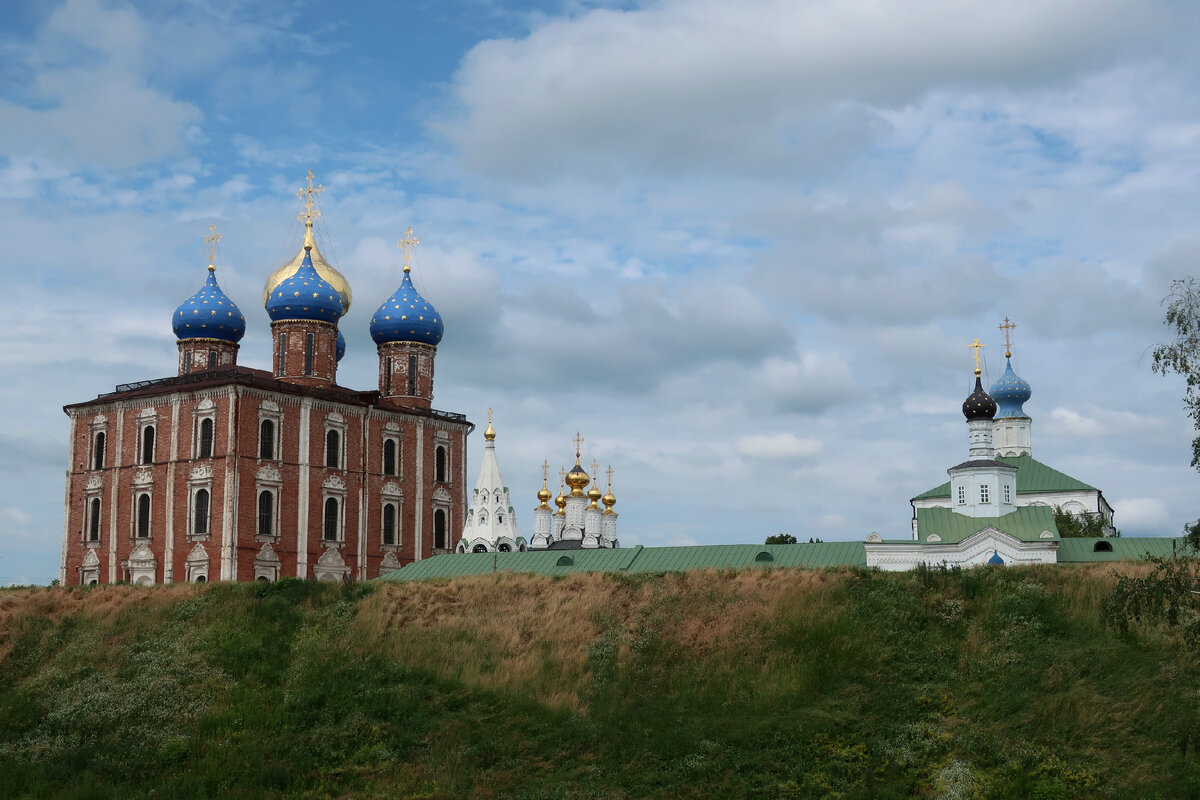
(740, 246)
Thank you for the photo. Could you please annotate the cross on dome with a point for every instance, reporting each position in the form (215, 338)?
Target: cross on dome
(212, 239)
(407, 244)
(309, 196)
(1007, 327)
(976, 346)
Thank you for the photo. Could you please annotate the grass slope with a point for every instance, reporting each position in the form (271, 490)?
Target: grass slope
(989, 683)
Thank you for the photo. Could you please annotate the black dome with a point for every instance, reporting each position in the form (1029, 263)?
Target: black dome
(979, 404)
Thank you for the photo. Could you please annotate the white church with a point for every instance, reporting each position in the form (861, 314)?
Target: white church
(579, 523)
(998, 506)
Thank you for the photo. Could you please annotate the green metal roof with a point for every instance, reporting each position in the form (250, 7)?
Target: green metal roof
(1124, 548)
(635, 559)
(1032, 477)
(1026, 524)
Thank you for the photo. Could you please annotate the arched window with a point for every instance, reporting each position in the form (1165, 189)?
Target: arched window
(94, 519)
(308, 353)
(389, 456)
(148, 444)
(504, 548)
(1102, 547)
(439, 461)
(412, 375)
(200, 512)
(266, 440)
(201, 579)
(98, 451)
(389, 523)
(212, 359)
(266, 513)
(482, 518)
(331, 519)
(479, 548)
(332, 450)
(206, 439)
(282, 354)
(143, 516)
(439, 529)
(499, 519)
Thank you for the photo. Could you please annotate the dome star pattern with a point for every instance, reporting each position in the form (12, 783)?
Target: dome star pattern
(209, 314)
(1010, 392)
(406, 316)
(979, 404)
(305, 295)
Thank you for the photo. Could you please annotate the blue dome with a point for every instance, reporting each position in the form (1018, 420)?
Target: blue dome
(305, 295)
(406, 317)
(1009, 393)
(209, 314)
(341, 346)
(996, 560)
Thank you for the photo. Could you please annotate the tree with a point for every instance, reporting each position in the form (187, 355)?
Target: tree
(781, 538)
(1182, 356)
(1089, 524)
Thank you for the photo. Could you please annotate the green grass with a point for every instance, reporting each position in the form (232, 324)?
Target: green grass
(996, 683)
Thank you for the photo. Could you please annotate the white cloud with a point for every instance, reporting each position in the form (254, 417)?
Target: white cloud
(778, 447)
(1144, 515)
(693, 84)
(15, 516)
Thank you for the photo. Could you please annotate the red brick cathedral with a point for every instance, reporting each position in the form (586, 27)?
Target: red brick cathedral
(225, 472)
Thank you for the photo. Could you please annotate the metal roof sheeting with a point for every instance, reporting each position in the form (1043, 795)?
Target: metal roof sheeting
(1083, 550)
(1032, 477)
(1025, 523)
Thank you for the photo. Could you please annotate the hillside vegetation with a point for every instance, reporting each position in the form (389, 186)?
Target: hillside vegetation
(991, 683)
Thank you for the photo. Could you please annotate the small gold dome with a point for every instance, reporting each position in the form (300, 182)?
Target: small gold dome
(608, 499)
(544, 495)
(335, 279)
(490, 433)
(561, 502)
(594, 495)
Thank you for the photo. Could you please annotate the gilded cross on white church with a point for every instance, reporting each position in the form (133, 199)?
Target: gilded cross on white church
(407, 244)
(609, 472)
(545, 471)
(212, 239)
(976, 346)
(578, 446)
(1006, 327)
(562, 476)
(309, 196)
(595, 471)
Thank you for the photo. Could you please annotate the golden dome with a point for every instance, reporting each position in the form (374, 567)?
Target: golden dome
(608, 500)
(577, 478)
(544, 495)
(490, 433)
(335, 279)
(594, 495)
(561, 502)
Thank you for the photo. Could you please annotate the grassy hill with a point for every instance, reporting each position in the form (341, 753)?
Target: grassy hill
(762, 683)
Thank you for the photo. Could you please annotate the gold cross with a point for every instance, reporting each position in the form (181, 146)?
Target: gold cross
(545, 471)
(609, 473)
(1006, 327)
(309, 196)
(212, 239)
(407, 245)
(578, 446)
(562, 477)
(595, 469)
(976, 347)
(489, 416)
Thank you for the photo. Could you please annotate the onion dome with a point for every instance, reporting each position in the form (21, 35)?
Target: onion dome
(1009, 393)
(577, 478)
(594, 494)
(209, 314)
(996, 560)
(544, 496)
(406, 316)
(304, 295)
(561, 502)
(490, 433)
(609, 501)
(341, 347)
(979, 404)
(330, 275)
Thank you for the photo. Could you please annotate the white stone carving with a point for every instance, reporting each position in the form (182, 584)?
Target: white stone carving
(143, 478)
(206, 404)
(198, 555)
(441, 494)
(268, 474)
(330, 566)
(201, 472)
(392, 489)
(334, 482)
(94, 482)
(390, 563)
(268, 405)
(91, 560)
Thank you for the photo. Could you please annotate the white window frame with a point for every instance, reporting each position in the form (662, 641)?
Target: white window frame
(984, 494)
(334, 422)
(137, 499)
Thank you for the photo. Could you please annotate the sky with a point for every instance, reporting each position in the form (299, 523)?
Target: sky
(741, 247)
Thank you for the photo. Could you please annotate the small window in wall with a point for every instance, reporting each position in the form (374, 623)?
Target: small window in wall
(94, 520)
(282, 354)
(764, 556)
(200, 512)
(387, 375)
(201, 579)
(389, 456)
(266, 440)
(333, 454)
(98, 451)
(212, 359)
(412, 375)
(564, 561)
(1007, 493)
(148, 444)
(984, 494)
(439, 462)
(389, 523)
(266, 513)
(308, 353)
(205, 449)
(143, 516)
(439, 528)
(330, 533)
(962, 495)
(1102, 547)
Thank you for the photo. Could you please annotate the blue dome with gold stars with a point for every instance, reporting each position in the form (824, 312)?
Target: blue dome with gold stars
(209, 314)
(1009, 393)
(305, 295)
(406, 317)
(341, 347)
